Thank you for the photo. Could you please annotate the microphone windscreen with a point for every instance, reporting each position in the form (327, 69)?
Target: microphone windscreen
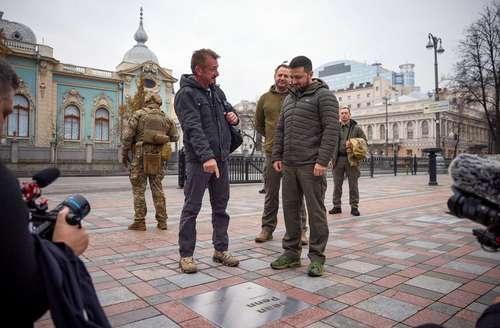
(478, 176)
(46, 176)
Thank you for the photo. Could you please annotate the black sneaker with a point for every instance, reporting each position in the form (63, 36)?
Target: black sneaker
(335, 210)
(355, 211)
(262, 191)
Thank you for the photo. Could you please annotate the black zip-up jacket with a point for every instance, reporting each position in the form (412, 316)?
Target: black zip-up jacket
(204, 126)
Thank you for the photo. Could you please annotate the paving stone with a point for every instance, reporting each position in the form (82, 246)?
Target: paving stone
(374, 289)
(417, 291)
(157, 299)
(342, 272)
(444, 308)
(250, 276)
(133, 316)
(130, 281)
(466, 267)
(445, 276)
(188, 280)
(333, 306)
(170, 287)
(367, 278)
(488, 297)
(477, 307)
(351, 256)
(383, 272)
(158, 282)
(341, 243)
(340, 321)
(388, 307)
(398, 266)
(253, 265)
(309, 283)
(115, 295)
(424, 244)
(336, 290)
(457, 322)
(434, 284)
(155, 322)
(358, 266)
(217, 273)
(319, 324)
(487, 255)
(373, 236)
(396, 254)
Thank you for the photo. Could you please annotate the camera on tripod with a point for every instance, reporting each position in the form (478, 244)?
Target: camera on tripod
(41, 220)
(476, 196)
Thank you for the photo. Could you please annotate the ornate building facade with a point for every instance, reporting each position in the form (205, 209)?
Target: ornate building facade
(68, 115)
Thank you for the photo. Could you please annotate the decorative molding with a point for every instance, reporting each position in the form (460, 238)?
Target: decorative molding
(73, 97)
(25, 91)
(102, 100)
(42, 67)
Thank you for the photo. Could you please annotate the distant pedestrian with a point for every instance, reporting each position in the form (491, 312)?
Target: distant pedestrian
(349, 128)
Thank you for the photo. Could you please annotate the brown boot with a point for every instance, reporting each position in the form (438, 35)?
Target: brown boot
(162, 225)
(225, 258)
(303, 238)
(188, 265)
(264, 236)
(138, 225)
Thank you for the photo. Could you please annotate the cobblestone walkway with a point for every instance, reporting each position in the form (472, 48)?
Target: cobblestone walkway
(403, 262)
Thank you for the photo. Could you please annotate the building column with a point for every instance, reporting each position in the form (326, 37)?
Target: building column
(14, 151)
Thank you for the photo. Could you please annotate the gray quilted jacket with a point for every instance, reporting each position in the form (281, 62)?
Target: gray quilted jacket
(308, 128)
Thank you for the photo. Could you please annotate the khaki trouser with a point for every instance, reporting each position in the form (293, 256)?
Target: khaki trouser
(300, 182)
(342, 167)
(139, 182)
(271, 202)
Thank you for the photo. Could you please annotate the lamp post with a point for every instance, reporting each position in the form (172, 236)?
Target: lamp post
(386, 101)
(436, 44)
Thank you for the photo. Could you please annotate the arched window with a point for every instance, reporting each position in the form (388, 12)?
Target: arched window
(395, 131)
(382, 132)
(370, 132)
(102, 125)
(409, 130)
(425, 129)
(18, 122)
(72, 123)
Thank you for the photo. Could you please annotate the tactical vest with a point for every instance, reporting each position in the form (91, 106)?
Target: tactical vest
(154, 139)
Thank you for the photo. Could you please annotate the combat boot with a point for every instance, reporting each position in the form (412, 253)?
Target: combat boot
(188, 265)
(303, 238)
(225, 258)
(138, 225)
(162, 225)
(264, 236)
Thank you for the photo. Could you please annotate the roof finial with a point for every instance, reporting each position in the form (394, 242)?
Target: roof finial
(141, 15)
(140, 36)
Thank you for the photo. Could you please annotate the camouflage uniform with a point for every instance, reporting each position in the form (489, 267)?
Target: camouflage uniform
(133, 139)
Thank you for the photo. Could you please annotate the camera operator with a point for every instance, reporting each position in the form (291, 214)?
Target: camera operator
(22, 286)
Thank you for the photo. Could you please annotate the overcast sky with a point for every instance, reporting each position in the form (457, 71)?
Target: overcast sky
(252, 37)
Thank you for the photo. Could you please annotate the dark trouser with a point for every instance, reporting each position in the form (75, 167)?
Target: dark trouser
(299, 181)
(342, 167)
(194, 189)
(271, 202)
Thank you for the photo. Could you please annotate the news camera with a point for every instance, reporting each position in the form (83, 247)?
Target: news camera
(41, 220)
(476, 196)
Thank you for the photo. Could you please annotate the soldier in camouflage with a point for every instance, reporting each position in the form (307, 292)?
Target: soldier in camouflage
(147, 135)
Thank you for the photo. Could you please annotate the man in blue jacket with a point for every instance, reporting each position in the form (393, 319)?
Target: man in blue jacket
(205, 118)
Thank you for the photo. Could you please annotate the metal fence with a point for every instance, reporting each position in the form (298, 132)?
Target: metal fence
(245, 169)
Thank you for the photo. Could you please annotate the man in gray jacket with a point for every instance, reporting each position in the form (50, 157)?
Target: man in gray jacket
(306, 139)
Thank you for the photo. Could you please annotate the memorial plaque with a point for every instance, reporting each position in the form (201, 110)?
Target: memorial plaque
(244, 306)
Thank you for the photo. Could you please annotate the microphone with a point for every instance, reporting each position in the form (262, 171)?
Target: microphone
(478, 176)
(31, 190)
(46, 176)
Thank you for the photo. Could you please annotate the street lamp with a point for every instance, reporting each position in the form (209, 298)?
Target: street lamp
(436, 44)
(386, 102)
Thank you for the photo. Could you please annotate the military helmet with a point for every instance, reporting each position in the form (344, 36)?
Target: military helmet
(152, 98)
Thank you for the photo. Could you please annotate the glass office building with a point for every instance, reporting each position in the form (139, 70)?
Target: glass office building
(345, 74)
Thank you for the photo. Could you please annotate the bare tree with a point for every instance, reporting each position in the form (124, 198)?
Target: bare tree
(478, 71)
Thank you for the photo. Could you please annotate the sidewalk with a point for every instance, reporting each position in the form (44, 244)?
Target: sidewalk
(402, 263)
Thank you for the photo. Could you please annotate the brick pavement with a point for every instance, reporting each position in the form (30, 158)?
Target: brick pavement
(402, 263)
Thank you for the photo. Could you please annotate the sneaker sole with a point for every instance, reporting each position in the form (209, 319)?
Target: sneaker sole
(258, 240)
(187, 271)
(310, 274)
(215, 259)
(290, 265)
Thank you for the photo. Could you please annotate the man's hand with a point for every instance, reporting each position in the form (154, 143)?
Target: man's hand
(232, 118)
(75, 237)
(210, 166)
(348, 144)
(278, 166)
(319, 170)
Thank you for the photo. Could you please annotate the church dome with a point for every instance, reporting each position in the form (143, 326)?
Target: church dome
(16, 31)
(140, 53)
